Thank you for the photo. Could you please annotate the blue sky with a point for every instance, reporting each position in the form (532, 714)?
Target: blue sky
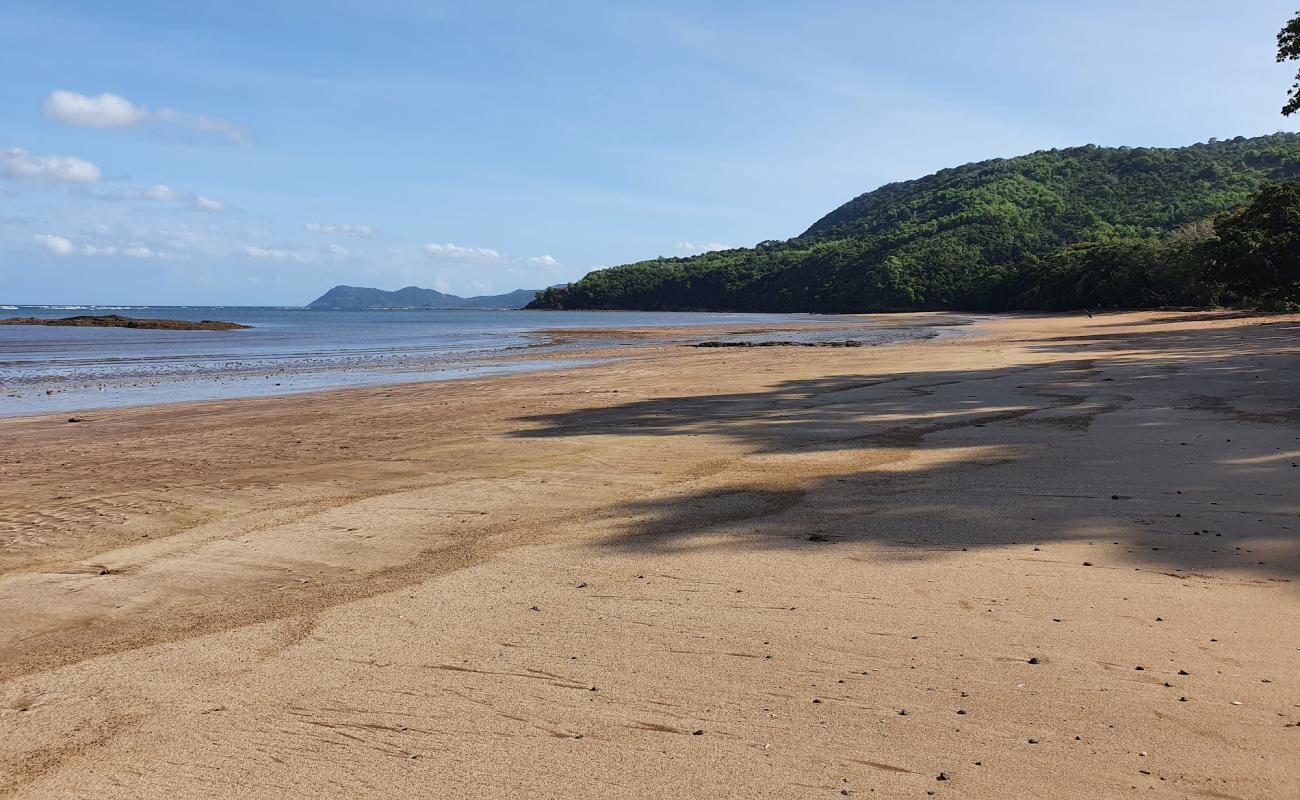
(259, 153)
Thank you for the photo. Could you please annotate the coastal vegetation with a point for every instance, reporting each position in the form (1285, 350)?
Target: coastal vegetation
(1213, 223)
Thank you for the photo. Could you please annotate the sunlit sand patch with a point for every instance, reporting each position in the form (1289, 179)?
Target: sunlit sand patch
(1289, 455)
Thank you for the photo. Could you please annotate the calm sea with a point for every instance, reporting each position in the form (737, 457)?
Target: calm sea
(48, 369)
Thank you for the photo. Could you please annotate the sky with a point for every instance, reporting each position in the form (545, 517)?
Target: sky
(258, 153)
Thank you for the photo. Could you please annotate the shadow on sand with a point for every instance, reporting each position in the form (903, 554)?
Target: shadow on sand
(1171, 450)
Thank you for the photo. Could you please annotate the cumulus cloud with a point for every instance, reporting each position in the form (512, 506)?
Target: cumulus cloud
(450, 250)
(100, 111)
(114, 111)
(16, 162)
(706, 247)
(57, 245)
(542, 261)
(62, 246)
(360, 231)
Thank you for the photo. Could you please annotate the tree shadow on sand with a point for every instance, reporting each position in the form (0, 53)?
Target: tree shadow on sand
(1172, 450)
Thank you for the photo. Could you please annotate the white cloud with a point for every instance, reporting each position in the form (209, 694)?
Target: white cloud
(161, 193)
(114, 111)
(706, 247)
(361, 231)
(100, 111)
(207, 204)
(450, 250)
(275, 254)
(57, 245)
(542, 261)
(16, 162)
(299, 255)
(62, 246)
(165, 194)
(233, 133)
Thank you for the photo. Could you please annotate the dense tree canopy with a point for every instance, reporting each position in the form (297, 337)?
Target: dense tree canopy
(1086, 226)
(1256, 251)
(1288, 49)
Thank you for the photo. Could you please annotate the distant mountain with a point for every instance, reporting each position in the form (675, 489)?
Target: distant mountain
(360, 297)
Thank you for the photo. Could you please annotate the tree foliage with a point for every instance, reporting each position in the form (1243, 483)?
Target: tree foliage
(1082, 227)
(1255, 252)
(1288, 49)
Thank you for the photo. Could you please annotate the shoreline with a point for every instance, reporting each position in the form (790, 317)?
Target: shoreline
(1018, 537)
(559, 348)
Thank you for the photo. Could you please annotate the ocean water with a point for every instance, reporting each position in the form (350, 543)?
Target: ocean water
(53, 369)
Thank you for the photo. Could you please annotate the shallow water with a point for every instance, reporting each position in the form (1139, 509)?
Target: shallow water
(49, 369)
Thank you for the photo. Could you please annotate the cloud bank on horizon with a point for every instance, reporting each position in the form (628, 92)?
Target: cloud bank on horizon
(164, 153)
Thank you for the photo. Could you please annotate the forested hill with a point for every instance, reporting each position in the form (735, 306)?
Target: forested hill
(997, 234)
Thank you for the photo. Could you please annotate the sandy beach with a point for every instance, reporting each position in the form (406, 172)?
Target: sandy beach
(1055, 556)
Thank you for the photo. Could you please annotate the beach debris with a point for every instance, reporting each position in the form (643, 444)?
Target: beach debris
(817, 537)
(1087, 563)
(76, 419)
(942, 776)
(582, 585)
(700, 732)
(1033, 660)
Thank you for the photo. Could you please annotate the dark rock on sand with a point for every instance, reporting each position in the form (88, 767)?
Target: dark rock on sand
(119, 321)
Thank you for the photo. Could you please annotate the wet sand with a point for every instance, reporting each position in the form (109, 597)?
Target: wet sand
(1065, 547)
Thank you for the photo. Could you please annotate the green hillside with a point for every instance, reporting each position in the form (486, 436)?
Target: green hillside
(1025, 232)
